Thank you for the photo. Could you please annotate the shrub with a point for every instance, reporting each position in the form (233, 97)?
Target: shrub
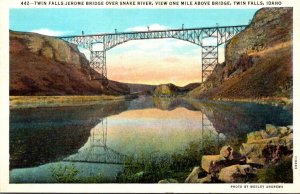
(64, 173)
(281, 172)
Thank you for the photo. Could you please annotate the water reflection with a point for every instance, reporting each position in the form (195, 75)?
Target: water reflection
(95, 150)
(92, 136)
(42, 135)
(140, 133)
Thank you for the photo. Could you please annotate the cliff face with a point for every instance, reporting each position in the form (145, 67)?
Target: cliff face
(166, 90)
(43, 65)
(258, 61)
(169, 90)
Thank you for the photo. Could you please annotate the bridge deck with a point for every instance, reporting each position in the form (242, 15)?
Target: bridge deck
(150, 31)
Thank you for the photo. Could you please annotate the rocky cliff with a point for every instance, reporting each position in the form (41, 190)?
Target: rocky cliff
(43, 65)
(266, 157)
(171, 90)
(258, 61)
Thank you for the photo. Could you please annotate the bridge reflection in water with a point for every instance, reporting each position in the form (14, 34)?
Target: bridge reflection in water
(96, 150)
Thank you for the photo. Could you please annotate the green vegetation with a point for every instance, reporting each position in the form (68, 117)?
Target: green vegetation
(177, 166)
(64, 174)
(145, 169)
(69, 174)
(53, 101)
(173, 167)
(277, 173)
(283, 101)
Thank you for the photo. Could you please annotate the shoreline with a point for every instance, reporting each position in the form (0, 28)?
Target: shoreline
(275, 101)
(265, 100)
(19, 102)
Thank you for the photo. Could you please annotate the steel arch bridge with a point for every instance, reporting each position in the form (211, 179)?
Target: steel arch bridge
(210, 51)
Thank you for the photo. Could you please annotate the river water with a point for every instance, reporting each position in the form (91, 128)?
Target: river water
(97, 139)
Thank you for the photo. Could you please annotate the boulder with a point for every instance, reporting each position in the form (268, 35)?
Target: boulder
(253, 153)
(252, 149)
(260, 152)
(254, 136)
(218, 165)
(290, 128)
(236, 173)
(214, 163)
(272, 130)
(256, 147)
(168, 181)
(271, 140)
(198, 175)
(264, 134)
(258, 162)
(283, 131)
(273, 153)
(193, 176)
(288, 141)
(208, 161)
(226, 152)
(206, 179)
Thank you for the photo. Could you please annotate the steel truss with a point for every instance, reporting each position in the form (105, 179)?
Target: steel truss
(96, 149)
(192, 35)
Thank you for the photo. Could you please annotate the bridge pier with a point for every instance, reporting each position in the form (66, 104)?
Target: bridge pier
(210, 58)
(98, 66)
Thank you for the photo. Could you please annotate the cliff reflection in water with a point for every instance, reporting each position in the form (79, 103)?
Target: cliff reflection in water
(144, 133)
(91, 136)
(43, 135)
(167, 126)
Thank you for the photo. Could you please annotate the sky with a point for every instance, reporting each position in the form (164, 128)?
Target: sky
(140, 61)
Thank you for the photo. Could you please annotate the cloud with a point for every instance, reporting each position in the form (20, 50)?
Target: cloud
(49, 32)
(145, 28)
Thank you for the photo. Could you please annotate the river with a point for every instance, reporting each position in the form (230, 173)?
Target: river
(98, 139)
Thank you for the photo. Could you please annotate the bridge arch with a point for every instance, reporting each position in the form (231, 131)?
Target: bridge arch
(222, 34)
(167, 60)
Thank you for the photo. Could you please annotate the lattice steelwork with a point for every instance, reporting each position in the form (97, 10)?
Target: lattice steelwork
(209, 60)
(192, 35)
(96, 149)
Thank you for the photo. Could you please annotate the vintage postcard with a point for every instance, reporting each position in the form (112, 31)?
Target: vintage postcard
(149, 96)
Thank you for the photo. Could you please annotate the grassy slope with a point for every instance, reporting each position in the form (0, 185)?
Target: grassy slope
(54, 101)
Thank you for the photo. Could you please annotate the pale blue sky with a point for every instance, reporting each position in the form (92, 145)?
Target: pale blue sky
(141, 61)
(73, 21)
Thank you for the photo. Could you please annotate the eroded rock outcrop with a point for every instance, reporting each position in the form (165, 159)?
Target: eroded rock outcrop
(44, 65)
(171, 90)
(166, 90)
(263, 48)
(262, 148)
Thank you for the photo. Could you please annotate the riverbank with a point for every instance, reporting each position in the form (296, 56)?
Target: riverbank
(16, 102)
(266, 157)
(276, 101)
